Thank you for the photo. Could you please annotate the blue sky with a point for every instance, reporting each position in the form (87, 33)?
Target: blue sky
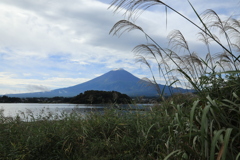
(49, 44)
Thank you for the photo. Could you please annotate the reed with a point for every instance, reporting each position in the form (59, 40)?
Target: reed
(112, 135)
(197, 70)
(176, 129)
(206, 127)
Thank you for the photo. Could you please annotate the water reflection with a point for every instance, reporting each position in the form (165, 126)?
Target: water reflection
(38, 111)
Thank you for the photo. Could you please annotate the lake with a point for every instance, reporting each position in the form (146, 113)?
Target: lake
(44, 109)
(38, 110)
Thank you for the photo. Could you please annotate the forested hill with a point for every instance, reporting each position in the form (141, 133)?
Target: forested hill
(101, 97)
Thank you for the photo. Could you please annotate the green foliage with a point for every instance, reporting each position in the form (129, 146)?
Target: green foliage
(177, 129)
(101, 97)
(203, 126)
(112, 135)
(204, 73)
(208, 125)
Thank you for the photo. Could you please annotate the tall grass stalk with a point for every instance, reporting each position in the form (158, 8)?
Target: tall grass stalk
(112, 135)
(207, 127)
(196, 70)
(177, 129)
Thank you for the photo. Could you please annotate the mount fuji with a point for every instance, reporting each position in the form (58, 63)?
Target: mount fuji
(115, 80)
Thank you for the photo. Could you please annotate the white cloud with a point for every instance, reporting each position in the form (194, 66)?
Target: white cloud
(10, 84)
(57, 43)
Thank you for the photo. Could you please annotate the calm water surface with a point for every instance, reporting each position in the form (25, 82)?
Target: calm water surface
(36, 109)
(45, 109)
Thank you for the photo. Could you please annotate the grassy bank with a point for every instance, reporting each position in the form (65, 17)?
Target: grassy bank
(112, 135)
(204, 126)
(174, 130)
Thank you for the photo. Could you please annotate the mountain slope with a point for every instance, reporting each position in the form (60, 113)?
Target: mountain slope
(115, 80)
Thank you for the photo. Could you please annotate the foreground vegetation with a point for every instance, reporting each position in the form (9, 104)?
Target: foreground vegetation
(183, 127)
(208, 127)
(204, 126)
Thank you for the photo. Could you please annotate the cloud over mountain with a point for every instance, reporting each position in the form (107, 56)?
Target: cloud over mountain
(59, 41)
(115, 80)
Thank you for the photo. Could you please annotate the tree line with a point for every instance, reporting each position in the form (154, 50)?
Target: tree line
(88, 97)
